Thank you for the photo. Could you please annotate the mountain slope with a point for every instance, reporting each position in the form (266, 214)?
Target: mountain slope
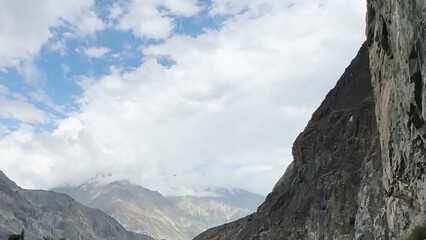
(334, 157)
(137, 208)
(49, 214)
(386, 166)
(144, 211)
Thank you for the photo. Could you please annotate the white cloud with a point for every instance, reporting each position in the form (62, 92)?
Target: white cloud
(181, 7)
(15, 106)
(29, 72)
(226, 113)
(151, 18)
(41, 96)
(115, 11)
(146, 21)
(69, 127)
(25, 26)
(95, 52)
(87, 23)
(228, 7)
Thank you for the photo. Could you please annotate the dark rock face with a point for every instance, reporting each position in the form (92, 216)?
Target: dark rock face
(396, 33)
(334, 182)
(49, 214)
(355, 177)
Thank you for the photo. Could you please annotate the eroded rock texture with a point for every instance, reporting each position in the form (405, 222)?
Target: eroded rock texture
(397, 44)
(333, 188)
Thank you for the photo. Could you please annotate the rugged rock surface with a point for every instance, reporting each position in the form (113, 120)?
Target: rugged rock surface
(334, 182)
(49, 214)
(396, 33)
(383, 162)
(144, 211)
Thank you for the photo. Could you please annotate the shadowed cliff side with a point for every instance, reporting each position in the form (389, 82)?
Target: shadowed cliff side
(334, 182)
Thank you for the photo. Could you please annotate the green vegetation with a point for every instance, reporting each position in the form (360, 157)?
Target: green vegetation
(418, 233)
(22, 237)
(18, 236)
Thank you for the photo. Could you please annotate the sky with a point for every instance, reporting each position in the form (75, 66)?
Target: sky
(174, 95)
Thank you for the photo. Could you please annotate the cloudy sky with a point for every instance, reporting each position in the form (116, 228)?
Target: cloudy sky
(175, 95)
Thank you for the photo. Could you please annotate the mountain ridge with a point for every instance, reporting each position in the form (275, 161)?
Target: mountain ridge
(317, 197)
(145, 211)
(49, 214)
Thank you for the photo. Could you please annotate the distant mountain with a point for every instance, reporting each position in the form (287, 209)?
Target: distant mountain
(50, 214)
(173, 218)
(239, 197)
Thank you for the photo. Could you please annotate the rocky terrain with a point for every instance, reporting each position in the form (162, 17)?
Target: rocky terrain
(359, 166)
(396, 33)
(317, 198)
(358, 171)
(49, 214)
(144, 211)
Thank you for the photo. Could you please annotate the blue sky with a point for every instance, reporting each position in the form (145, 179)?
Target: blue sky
(175, 95)
(57, 69)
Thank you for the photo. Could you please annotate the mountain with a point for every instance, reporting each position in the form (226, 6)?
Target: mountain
(359, 169)
(317, 198)
(144, 211)
(49, 214)
(238, 197)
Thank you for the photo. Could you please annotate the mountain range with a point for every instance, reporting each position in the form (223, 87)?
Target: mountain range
(49, 214)
(148, 212)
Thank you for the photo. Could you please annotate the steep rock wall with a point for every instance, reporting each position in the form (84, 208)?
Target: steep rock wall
(382, 163)
(334, 182)
(396, 39)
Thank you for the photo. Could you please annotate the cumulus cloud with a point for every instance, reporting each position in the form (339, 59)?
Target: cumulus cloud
(25, 26)
(115, 11)
(153, 18)
(225, 113)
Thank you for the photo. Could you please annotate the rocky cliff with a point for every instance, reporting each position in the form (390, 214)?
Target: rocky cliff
(359, 166)
(335, 157)
(49, 214)
(396, 35)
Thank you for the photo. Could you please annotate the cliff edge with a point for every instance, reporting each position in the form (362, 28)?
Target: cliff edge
(359, 166)
(335, 157)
